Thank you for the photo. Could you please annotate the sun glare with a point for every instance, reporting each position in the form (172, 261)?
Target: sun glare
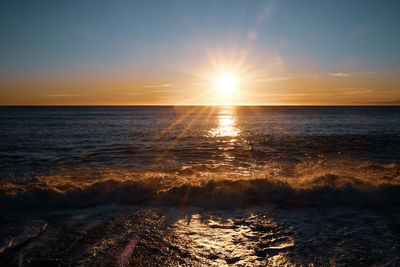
(226, 85)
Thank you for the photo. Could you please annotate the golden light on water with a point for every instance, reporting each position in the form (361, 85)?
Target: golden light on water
(226, 125)
(223, 240)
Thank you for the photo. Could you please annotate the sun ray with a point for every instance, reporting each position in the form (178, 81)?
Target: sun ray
(182, 133)
(166, 130)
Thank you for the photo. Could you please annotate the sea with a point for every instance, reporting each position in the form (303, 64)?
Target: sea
(200, 186)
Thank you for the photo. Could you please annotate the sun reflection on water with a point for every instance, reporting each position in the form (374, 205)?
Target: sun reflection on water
(226, 125)
(257, 240)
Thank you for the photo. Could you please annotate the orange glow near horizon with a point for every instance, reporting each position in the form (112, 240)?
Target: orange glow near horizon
(198, 53)
(228, 78)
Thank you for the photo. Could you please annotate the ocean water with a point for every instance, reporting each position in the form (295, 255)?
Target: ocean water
(168, 186)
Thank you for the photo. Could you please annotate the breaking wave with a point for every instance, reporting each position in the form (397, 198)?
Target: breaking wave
(337, 183)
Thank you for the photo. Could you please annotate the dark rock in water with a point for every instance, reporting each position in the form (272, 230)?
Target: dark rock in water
(232, 260)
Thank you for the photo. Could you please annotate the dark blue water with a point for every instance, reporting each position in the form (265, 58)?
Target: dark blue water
(200, 186)
(37, 140)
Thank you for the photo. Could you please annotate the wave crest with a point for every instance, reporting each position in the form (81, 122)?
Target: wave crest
(307, 184)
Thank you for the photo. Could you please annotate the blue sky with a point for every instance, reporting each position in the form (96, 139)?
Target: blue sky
(144, 39)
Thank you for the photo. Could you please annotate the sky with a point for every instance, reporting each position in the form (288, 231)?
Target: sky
(175, 52)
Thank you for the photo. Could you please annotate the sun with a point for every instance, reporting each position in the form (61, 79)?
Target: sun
(226, 85)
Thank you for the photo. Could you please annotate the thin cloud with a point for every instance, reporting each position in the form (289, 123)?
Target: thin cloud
(63, 95)
(385, 102)
(166, 91)
(273, 79)
(357, 91)
(158, 85)
(348, 74)
(340, 74)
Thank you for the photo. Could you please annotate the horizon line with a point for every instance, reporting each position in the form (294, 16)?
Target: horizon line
(204, 105)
